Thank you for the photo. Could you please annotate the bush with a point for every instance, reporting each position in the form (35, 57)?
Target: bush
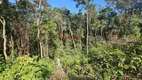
(76, 65)
(112, 62)
(26, 68)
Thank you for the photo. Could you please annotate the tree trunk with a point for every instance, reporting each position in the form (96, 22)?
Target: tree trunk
(47, 47)
(38, 22)
(61, 32)
(41, 49)
(80, 39)
(38, 18)
(87, 28)
(4, 36)
(72, 38)
(11, 43)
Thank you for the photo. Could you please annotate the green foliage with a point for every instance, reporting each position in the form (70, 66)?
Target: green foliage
(2, 63)
(26, 68)
(109, 62)
(76, 65)
(106, 58)
(136, 33)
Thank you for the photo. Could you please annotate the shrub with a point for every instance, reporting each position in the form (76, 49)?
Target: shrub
(111, 62)
(26, 68)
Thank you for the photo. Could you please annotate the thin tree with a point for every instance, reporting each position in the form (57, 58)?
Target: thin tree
(38, 23)
(85, 3)
(2, 20)
(87, 30)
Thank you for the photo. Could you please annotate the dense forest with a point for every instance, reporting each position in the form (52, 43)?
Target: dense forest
(39, 42)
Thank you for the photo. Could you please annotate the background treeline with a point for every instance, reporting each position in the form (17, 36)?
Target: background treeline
(32, 40)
